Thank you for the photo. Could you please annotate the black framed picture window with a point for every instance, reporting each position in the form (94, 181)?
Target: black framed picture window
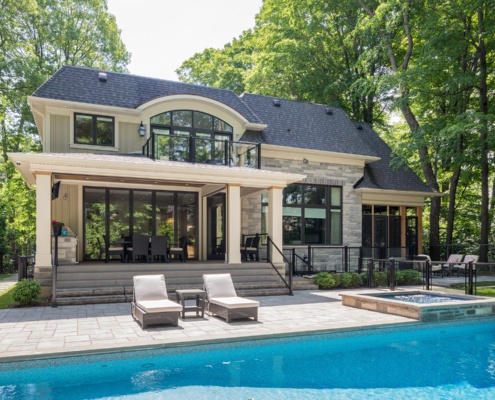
(96, 130)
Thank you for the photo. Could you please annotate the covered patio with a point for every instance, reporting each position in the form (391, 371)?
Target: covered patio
(137, 174)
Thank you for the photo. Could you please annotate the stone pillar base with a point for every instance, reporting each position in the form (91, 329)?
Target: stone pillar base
(44, 276)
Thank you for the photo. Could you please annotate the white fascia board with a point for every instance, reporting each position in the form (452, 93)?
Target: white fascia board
(395, 197)
(148, 169)
(294, 153)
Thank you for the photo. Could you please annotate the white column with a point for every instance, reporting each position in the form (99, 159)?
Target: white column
(275, 220)
(43, 219)
(234, 224)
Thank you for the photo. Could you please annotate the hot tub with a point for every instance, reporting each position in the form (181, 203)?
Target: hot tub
(423, 305)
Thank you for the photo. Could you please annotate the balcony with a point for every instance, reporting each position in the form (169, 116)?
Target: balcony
(202, 150)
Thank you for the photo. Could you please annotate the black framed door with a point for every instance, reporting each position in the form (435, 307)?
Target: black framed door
(216, 206)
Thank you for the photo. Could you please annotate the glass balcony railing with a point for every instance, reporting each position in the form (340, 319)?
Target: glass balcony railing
(203, 150)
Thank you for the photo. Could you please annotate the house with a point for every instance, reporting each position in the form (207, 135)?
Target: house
(132, 155)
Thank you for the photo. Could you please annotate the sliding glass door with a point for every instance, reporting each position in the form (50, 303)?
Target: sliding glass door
(115, 213)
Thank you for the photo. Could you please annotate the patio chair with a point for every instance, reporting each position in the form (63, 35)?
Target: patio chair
(113, 249)
(180, 250)
(140, 248)
(462, 267)
(445, 267)
(159, 246)
(150, 304)
(420, 266)
(251, 248)
(222, 300)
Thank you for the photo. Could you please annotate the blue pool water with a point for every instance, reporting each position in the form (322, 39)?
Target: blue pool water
(443, 361)
(422, 298)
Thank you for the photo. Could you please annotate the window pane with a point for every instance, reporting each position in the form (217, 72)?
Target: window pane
(336, 227)
(162, 144)
(142, 213)
(202, 144)
(104, 131)
(182, 118)
(165, 215)
(179, 146)
(292, 194)
(292, 211)
(292, 230)
(186, 221)
(367, 210)
(314, 195)
(336, 196)
(161, 119)
(203, 121)
(119, 214)
(221, 126)
(84, 129)
(221, 147)
(94, 224)
(314, 230)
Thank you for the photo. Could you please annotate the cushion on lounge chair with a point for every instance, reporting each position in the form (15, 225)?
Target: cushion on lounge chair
(149, 287)
(152, 306)
(219, 285)
(234, 302)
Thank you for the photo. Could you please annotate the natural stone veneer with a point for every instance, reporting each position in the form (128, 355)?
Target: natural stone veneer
(319, 174)
(470, 307)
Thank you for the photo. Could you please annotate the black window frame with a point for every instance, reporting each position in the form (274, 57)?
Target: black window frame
(94, 141)
(328, 207)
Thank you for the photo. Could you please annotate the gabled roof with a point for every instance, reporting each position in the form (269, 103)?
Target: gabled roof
(379, 174)
(79, 84)
(304, 125)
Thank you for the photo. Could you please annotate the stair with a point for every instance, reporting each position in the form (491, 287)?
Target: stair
(94, 283)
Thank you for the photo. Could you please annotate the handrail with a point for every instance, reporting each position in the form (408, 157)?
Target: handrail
(268, 259)
(228, 156)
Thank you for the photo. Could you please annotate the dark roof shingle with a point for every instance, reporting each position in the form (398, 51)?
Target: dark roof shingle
(81, 85)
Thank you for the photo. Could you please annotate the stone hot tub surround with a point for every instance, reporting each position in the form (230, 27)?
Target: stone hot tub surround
(459, 307)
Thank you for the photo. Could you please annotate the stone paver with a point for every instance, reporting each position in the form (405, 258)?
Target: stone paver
(45, 331)
(8, 282)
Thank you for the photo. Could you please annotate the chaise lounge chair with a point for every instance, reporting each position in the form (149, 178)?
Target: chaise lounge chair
(150, 305)
(222, 299)
(461, 268)
(445, 268)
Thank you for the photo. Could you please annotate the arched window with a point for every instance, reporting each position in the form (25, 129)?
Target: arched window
(193, 136)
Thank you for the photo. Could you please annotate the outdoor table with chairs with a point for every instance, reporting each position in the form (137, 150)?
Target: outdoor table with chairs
(143, 248)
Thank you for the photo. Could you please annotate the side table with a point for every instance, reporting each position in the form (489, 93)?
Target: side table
(187, 294)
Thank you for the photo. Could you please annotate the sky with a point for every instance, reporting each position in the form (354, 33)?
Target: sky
(162, 34)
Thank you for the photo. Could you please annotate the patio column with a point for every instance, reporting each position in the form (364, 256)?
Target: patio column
(43, 268)
(275, 220)
(234, 224)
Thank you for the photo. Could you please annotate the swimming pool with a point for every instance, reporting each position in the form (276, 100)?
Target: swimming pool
(441, 361)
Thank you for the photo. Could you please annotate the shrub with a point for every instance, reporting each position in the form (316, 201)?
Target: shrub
(408, 277)
(380, 278)
(345, 279)
(337, 280)
(356, 279)
(324, 280)
(26, 292)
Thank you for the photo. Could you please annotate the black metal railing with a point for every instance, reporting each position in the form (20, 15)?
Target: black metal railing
(313, 259)
(202, 150)
(272, 248)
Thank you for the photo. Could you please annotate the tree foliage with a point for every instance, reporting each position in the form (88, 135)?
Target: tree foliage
(36, 39)
(430, 62)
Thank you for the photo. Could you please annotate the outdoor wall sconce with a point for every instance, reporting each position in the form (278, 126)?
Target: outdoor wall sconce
(141, 130)
(305, 160)
(66, 197)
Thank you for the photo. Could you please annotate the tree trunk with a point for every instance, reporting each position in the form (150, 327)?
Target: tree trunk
(485, 229)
